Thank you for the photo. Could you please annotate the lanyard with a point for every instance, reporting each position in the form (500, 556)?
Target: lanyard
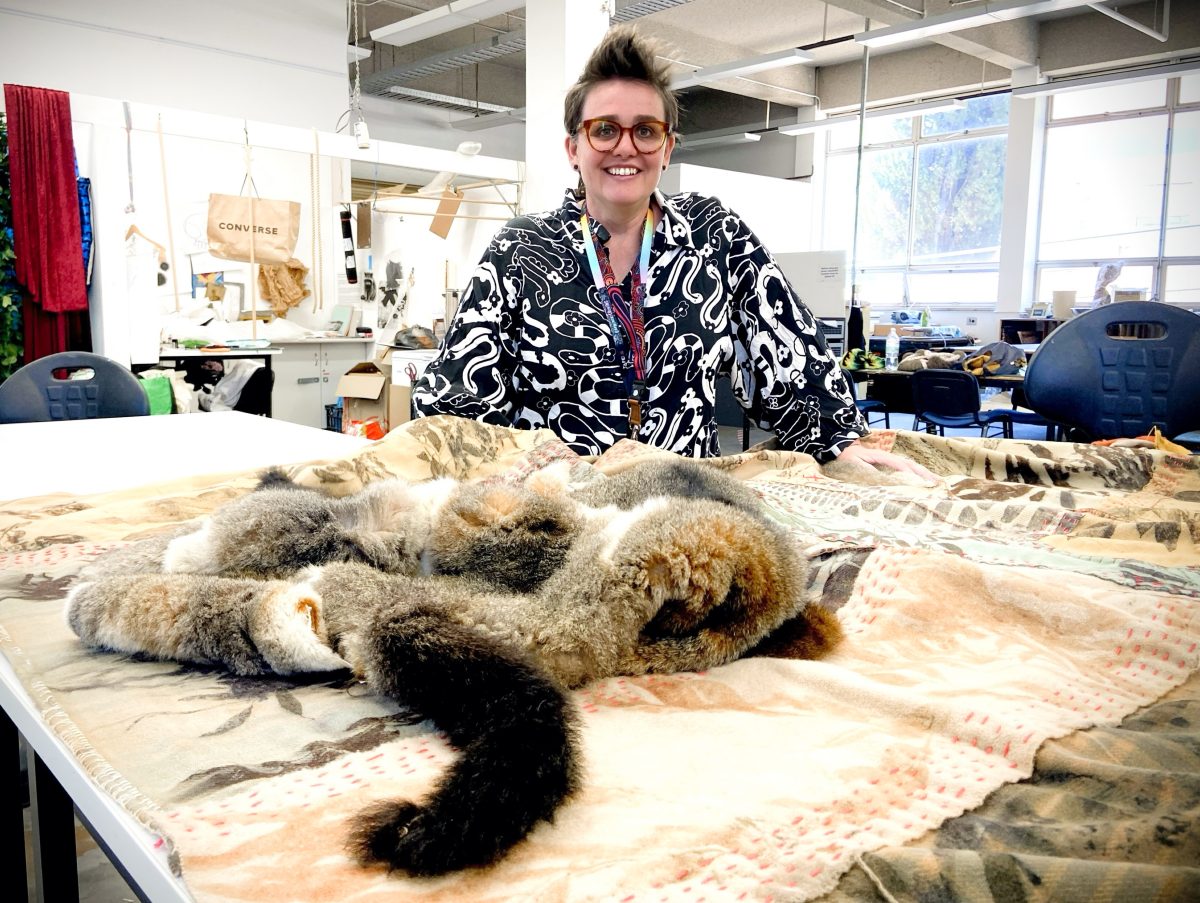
(626, 321)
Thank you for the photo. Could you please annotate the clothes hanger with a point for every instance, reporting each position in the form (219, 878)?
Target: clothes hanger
(134, 230)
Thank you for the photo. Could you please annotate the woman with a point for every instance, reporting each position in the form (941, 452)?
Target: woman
(614, 315)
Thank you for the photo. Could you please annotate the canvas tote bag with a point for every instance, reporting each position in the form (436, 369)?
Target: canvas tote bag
(249, 228)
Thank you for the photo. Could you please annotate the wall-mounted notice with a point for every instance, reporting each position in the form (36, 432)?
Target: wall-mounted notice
(819, 278)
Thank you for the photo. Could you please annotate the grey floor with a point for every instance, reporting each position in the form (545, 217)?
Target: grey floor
(99, 882)
(731, 437)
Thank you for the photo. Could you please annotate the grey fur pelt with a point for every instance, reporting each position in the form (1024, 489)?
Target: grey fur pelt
(474, 605)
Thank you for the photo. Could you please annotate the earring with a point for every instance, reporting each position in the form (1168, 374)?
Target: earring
(576, 167)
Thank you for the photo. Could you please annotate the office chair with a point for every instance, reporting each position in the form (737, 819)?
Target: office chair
(256, 394)
(869, 406)
(950, 398)
(1118, 370)
(1020, 413)
(45, 390)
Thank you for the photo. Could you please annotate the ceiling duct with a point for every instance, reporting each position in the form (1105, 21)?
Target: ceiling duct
(385, 83)
(639, 8)
(481, 52)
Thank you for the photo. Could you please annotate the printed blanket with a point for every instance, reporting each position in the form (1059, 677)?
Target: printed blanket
(1041, 589)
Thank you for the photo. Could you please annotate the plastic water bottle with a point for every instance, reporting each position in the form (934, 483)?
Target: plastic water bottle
(891, 351)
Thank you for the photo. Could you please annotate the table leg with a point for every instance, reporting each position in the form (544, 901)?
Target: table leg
(12, 840)
(271, 391)
(54, 859)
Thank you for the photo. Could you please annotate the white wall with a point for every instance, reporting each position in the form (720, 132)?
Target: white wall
(272, 60)
(776, 209)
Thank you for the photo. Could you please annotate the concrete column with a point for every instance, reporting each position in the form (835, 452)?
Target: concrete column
(559, 37)
(1022, 192)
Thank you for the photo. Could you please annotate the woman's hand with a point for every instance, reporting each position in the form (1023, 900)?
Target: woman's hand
(877, 458)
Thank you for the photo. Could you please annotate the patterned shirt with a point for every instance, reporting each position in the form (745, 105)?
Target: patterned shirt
(531, 347)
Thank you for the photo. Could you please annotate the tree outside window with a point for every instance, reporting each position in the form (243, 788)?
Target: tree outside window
(928, 234)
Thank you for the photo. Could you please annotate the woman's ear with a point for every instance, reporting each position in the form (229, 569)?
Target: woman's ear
(669, 146)
(571, 143)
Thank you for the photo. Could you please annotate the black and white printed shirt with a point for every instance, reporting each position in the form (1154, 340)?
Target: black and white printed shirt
(531, 347)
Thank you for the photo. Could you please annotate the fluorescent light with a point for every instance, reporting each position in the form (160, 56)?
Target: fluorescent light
(714, 140)
(456, 14)
(466, 104)
(925, 108)
(1083, 83)
(791, 57)
(987, 13)
(489, 120)
(354, 52)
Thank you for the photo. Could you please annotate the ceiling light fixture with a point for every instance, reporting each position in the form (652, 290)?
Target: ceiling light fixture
(449, 101)
(1086, 82)
(456, 14)
(986, 13)
(689, 143)
(489, 120)
(792, 57)
(924, 108)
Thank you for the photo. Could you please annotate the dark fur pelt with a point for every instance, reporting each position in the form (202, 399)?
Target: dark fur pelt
(505, 716)
(473, 605)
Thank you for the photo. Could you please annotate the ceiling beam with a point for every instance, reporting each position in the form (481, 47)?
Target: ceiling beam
(441, 19)
(1010, 44)
(496, 46)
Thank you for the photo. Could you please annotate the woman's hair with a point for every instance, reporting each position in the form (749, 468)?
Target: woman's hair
(622, 53)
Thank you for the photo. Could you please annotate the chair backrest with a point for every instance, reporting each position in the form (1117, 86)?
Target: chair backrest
(256, 394)
(60, 387)
(943, 391)
(1118, 370)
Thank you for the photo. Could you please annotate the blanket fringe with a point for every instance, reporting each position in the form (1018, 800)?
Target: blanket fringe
(103, 775)
(875, 879)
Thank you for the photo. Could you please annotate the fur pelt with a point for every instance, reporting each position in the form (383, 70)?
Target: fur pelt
(474, 605)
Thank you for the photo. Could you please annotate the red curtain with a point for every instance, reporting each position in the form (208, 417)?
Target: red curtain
(45, 219)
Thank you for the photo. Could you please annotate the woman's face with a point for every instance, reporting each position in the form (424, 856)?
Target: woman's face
(622, 177)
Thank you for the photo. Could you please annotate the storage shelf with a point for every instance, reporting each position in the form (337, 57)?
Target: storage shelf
(1027, 330)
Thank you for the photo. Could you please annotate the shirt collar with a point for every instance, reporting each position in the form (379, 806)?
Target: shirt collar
(674, 227)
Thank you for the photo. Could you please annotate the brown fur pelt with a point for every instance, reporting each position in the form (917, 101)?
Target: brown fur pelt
(473, 605)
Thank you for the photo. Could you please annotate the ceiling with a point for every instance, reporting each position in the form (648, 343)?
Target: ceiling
(479, 69)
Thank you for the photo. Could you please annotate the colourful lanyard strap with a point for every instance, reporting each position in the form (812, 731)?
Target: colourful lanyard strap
(626, 321)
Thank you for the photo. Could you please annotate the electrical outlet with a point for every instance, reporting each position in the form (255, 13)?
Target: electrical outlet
(971, 321)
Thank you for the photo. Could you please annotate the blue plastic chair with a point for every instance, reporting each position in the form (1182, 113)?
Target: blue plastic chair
(1119, 370)
(944, 398)
(45, 390)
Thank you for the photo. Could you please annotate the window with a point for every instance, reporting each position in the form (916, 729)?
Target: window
(1120, 185)
(1183, 200)
(1102, 190)
(929, 205)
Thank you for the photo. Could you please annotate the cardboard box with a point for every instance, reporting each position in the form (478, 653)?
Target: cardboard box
(406, 365)
(399, 405)
(884, 328)
(364, 390)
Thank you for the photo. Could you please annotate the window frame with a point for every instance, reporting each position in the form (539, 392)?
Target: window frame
(918, 140)
(1159, 263)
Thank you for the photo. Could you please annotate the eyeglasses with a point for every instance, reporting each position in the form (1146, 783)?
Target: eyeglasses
(604, 134)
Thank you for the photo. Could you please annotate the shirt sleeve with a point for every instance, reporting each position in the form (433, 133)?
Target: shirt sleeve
(472, 376)
(785, 375)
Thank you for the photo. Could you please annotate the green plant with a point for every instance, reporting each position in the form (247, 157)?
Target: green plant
(10, 295)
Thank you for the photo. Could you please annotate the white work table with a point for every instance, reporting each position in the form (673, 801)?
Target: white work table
(89, 456)
(86, 456)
